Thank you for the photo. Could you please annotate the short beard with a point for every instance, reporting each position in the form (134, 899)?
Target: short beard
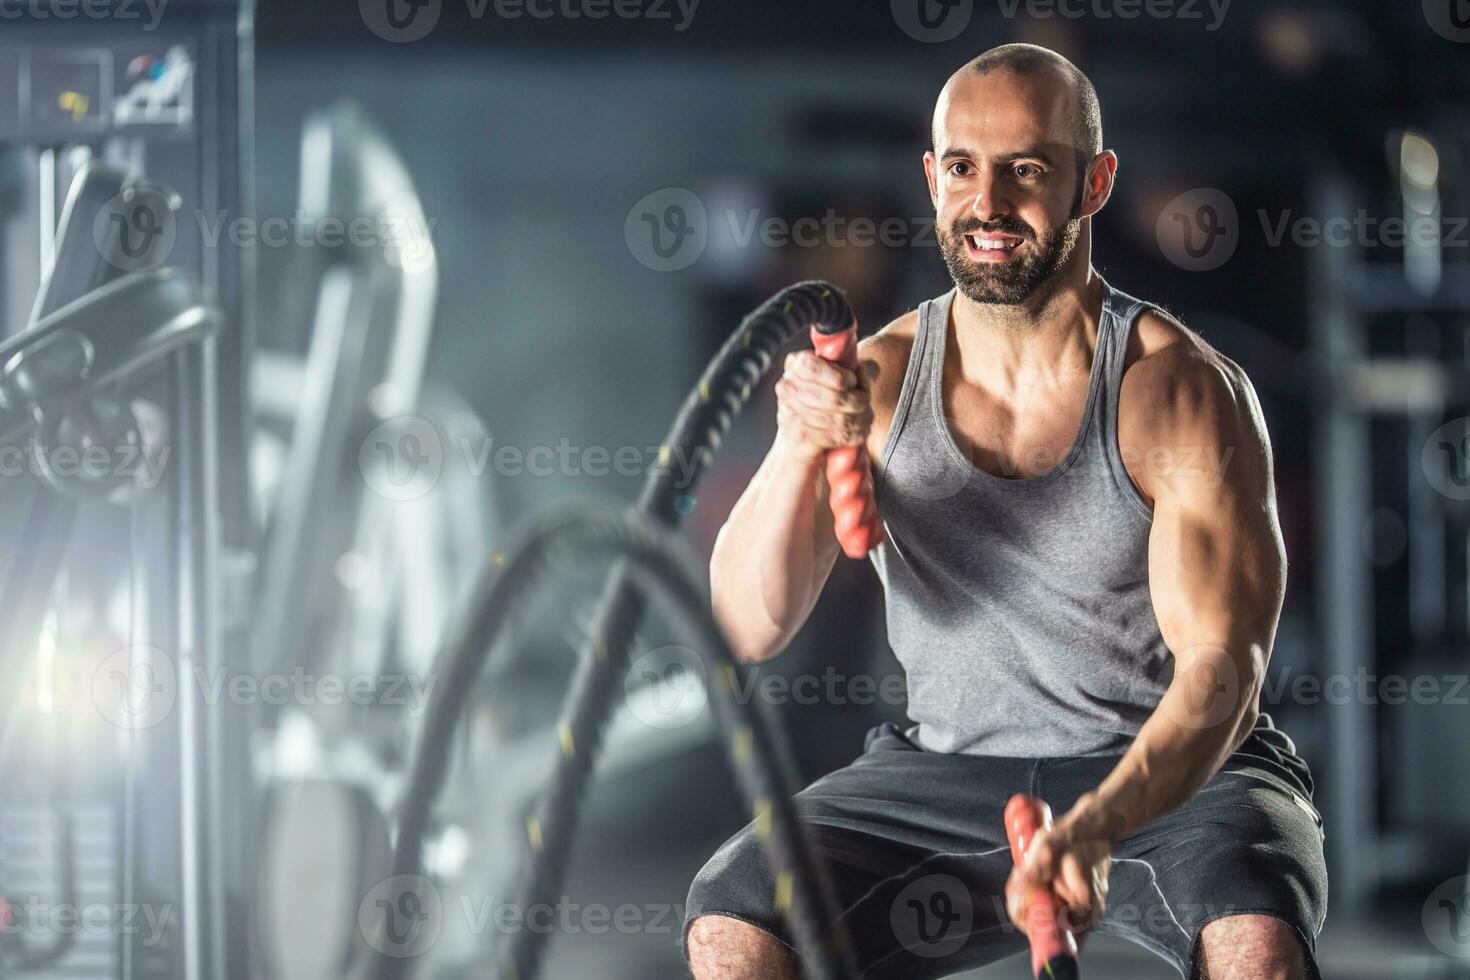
(1014, 282)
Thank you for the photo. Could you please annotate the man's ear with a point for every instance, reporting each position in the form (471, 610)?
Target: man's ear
(1099, 186)
(931, 165)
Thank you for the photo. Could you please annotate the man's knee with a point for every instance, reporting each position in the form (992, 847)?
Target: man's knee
(1249, 947)
(721, 948)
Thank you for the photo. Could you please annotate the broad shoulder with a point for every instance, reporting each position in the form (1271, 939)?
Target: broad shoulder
(1175, 378)
(889, 349)
(1181, 396)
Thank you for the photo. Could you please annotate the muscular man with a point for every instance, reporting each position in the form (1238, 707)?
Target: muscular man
(1083, 571)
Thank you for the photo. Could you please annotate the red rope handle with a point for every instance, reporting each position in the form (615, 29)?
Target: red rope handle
(848, 473)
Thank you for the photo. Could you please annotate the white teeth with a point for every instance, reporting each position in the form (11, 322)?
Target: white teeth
(991, 245)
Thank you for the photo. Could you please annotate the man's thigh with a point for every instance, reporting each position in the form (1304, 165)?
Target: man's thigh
(915, 845)
(1241, 863)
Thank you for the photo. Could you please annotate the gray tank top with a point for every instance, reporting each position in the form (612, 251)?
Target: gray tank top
(1019, 608)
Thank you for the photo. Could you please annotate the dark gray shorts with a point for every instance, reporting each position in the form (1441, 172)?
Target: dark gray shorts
(918, 856)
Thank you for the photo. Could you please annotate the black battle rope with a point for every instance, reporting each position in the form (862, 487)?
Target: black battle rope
(703, 419)
(651, 557)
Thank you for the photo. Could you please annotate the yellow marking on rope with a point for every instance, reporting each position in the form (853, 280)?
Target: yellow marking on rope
(762, 818)
(743, 744)
(783, 891)
(704, 391)
(826, 293)
(568, 747)
(664, 455)
(747, 337)
(787, 307)
(499, 559)
(533, 832)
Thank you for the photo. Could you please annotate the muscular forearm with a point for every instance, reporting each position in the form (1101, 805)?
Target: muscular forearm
(1207, 711)
(774, 553)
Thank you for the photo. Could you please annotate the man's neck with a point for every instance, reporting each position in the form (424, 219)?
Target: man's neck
(1007, 349)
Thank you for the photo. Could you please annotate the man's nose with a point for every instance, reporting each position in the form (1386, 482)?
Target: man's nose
(990, 200)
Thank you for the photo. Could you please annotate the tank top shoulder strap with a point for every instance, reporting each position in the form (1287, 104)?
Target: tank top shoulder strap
(929, 337)
(1115, 327)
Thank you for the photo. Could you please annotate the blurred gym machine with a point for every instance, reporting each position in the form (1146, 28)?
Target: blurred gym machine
(1393, 495)
(365, 566)
(326, 588)
(127, 333)
(373, 531)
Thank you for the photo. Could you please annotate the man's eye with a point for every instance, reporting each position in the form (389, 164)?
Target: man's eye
(1024, 170)
(960, 168)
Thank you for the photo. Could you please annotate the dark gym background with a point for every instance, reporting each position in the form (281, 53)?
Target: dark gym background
(607, 197)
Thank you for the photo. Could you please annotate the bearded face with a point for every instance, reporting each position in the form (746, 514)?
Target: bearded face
(1004, 261)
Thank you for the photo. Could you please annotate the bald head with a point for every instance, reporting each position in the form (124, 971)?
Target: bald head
(1018, 156)
(1029, 60)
